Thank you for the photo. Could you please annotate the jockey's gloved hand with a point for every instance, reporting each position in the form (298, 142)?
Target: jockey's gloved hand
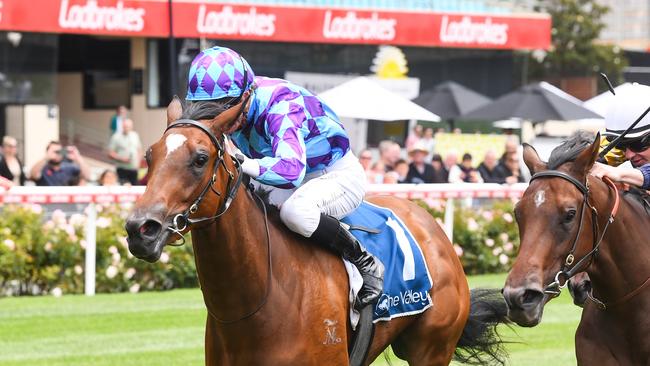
(249, 166)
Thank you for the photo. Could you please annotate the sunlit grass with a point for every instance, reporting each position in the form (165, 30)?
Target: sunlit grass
(167, 328)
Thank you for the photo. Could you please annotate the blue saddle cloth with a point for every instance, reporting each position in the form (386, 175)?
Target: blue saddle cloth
(407, 280)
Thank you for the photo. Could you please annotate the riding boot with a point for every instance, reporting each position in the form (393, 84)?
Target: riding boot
(331, 234)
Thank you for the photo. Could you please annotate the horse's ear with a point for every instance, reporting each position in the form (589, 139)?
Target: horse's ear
(174, 110)
(532, 160)
(225, 120)
(585, 160)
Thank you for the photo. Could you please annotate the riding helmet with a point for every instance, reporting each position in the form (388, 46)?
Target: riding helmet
(216, 73)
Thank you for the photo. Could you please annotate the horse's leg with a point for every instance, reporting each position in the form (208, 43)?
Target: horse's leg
(431, 339)
(212, 354)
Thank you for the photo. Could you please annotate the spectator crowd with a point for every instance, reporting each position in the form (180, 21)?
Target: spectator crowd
(416, 163)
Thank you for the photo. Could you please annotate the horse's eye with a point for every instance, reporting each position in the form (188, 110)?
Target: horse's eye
(200, 160)
(570, 215)
(147, 156)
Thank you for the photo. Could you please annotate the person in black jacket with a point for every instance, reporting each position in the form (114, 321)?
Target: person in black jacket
(419, 170)
(490, 170)
(11, 167)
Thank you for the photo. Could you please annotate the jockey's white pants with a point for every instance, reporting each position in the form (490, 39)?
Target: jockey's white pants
(336, 190)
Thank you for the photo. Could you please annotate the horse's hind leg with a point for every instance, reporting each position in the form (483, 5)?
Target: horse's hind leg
(431, 339)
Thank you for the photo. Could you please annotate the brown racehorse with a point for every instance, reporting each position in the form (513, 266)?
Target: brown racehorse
(272, 296)
(570, 221)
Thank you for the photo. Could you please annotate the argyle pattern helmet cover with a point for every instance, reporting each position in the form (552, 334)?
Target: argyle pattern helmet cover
(216, 73)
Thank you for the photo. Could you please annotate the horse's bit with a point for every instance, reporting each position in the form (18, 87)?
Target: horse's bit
(569, 269)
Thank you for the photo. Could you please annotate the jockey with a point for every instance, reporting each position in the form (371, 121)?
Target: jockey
(294, 143)
(626, 107)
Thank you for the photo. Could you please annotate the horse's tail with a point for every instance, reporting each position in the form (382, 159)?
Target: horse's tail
(480, 342)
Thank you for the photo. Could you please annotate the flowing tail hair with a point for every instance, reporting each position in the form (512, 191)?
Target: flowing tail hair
(480, 343)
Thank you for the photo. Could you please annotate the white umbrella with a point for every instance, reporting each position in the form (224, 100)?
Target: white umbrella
(362, 98)
(600, 102)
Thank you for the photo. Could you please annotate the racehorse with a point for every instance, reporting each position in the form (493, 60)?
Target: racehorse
(569, 222)
(272, 296)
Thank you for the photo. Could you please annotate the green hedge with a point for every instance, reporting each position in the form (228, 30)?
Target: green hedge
(39, 256)
(46, 256)
(486, 238)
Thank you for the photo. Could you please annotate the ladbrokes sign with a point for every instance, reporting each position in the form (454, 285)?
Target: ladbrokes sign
(150, 18)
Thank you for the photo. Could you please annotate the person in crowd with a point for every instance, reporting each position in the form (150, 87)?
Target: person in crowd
(489, 169)
(121, 114)
(108, 178)
(125, 149)
(402, 170)
(440, 173)
(293, 143)
(428, 142)
(376, 173)
(451, 165)
(391, 177)
(419, 171)
(510, 168)
(457, 131)
(414, 137)
(389, 154)
(10, 165)
(511, 148)
(365, 158)
(465, 172)
(61, 166)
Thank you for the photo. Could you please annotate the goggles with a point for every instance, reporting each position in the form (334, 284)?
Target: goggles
(636, 146)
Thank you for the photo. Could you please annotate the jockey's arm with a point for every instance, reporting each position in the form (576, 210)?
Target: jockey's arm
(287, 166)
(639, 177)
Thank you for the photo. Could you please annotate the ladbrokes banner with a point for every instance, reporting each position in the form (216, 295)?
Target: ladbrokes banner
(277, 23)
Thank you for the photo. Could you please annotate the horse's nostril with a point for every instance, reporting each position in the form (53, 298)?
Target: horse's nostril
(150, 229)
(531, 297)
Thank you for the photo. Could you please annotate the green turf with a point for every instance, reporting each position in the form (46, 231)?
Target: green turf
(166, 328)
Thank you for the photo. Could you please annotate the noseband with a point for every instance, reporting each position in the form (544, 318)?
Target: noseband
(182, 220)
(569, 269)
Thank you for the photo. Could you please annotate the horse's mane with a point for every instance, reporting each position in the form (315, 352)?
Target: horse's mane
(205, 109)
(568, 150)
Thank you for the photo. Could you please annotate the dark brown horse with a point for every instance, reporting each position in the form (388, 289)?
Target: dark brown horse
(570, 221)
(272, 296)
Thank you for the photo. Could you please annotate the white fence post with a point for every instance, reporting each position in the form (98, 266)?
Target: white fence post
(91, 247)
(449, 219)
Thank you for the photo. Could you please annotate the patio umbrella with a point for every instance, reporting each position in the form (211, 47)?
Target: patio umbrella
(600, 102)
(537, 102)
(362, 98)
(450, 100)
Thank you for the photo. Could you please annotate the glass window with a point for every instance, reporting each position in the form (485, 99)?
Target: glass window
(28, 68)
(105, 66)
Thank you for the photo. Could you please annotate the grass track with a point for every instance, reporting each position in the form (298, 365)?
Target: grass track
(166, 328)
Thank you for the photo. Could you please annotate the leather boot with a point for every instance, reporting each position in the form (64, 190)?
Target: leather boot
(331, 234)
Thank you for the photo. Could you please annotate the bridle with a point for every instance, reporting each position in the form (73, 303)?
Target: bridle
(569, 269)
(182, 220)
